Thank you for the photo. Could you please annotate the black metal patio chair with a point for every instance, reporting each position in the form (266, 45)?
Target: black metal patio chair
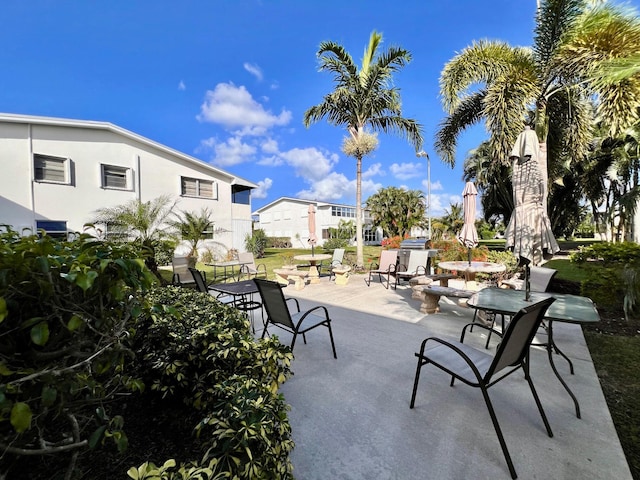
(480, 369)
(297, 323)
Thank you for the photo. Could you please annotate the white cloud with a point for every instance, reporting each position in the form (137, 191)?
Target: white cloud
(310, 163)
(269, 146)
(254, 70)
(435, 186)
(182, 86)
(404, 171)
(332, 187)
(263, 188)
(234, 107)
(373, 170)
(228, 153)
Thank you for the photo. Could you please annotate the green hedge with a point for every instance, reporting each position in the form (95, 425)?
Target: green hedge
(195, 349)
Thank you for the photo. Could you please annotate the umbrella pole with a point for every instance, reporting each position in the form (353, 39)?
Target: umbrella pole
(469, 255)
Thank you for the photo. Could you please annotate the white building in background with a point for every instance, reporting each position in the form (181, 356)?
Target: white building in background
(289, 217)
(55, 174)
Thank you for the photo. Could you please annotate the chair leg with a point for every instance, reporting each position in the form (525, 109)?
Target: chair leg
(333, 345)
(527, 376)
(415, 382)
(496, 426)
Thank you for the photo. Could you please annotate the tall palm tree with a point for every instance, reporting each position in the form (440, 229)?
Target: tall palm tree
(550, 85)
(364, 99)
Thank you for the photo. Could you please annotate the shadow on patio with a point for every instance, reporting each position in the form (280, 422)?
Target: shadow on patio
(351, 419)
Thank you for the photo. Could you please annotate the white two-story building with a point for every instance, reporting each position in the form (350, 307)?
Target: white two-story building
(55, 173)
(289, 217)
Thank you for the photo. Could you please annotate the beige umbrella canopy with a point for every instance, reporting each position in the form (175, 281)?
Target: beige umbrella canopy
(468, 236)
(312, 227)
(529, 233)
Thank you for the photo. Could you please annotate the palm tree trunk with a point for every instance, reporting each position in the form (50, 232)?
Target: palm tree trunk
(359, 240)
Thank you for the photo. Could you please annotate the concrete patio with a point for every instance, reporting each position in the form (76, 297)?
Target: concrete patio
(350, 417)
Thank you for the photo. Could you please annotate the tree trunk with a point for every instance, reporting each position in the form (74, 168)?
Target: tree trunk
(359, 238)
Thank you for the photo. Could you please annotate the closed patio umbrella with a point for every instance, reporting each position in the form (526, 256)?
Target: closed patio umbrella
(312, 227)
(468, 236)
(529, 233)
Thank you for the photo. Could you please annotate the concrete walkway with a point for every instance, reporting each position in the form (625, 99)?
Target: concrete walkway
(351, 420)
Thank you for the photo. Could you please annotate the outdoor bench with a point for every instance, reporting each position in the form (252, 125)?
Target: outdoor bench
(283, 275)
(430, 296)
(443, 278)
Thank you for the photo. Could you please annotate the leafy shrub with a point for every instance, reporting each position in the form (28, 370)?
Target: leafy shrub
(256, 243)
(615, 285)
(164, 252)
(66, 317)
(201, 352)
(392, 242)
(333, 243)
(452, 250)
(278, 242)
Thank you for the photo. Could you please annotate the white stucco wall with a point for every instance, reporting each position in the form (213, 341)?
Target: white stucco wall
(154, 170)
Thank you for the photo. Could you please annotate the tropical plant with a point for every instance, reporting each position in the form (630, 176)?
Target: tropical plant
(192, 228)
(256, 242)
(199, 357)
(145, 223)
(550, 86)
(493, 181)
(397, 210)
(364, 99)
(67, 310)
(452, 220)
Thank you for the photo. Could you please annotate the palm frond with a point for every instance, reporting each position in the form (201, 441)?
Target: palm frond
(466, 114)
(480, 64)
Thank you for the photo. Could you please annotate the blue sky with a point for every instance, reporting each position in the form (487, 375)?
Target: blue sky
(229, 81)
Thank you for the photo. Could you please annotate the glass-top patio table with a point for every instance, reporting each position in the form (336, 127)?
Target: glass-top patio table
(566, 308)
(224, 266)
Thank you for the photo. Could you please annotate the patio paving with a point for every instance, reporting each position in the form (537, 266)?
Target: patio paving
(350, 417)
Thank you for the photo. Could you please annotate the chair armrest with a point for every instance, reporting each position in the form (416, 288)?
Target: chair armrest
(319, 307)
(479, 325)
(296, 302)
(457, 350)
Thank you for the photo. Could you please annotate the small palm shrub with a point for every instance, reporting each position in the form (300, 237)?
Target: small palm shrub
(256, 243)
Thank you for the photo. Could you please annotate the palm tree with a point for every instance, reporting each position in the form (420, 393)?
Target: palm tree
(493, 180)
(396, 210)
(550, 85)
(363, 99)
(191, 227)
(144, 221)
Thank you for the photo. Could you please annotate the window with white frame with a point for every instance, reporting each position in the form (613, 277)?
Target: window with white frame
(370, 235)
(51, 169)
(196, 187)
(340, 211)
(53, 228)
(115, 177)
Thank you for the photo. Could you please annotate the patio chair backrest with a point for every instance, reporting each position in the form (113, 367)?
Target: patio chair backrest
(200, 283)
(338, 256)
(180, 267)
(249, 259)
(274, 302)
(540, 278)
(418, 262)
(518, 337)
(388, 260)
